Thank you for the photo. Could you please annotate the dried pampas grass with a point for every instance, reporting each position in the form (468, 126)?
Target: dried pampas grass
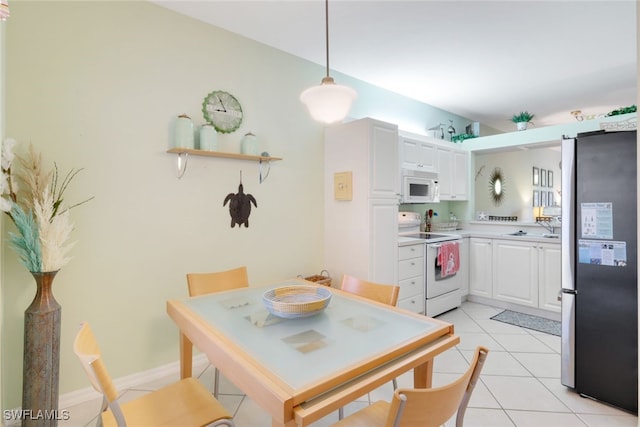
(26, 243)
(54, 233)
(34, 180)
(42, 220)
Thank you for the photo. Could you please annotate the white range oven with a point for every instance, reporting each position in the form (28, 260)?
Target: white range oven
(442, 282)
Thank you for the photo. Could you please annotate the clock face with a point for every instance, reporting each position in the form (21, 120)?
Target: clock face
(223, 111)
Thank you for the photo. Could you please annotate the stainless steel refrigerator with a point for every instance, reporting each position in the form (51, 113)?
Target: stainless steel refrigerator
(599, 267)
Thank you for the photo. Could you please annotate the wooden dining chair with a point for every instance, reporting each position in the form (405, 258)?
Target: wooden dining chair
(386, 294)
(425, 407)
(208, 283)
(184, 403)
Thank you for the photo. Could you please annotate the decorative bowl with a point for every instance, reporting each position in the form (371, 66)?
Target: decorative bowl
(444, 226)
(296, 301)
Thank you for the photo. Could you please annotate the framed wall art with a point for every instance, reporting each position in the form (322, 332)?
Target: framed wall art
(550, 198)
(543, 198)
(543, 177)
(536, 176)
(536, 198)
(550, 179)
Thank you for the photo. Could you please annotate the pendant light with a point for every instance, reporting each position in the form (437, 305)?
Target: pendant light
(328, 102)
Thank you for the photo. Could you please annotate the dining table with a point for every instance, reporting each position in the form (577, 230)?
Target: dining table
(301, 369)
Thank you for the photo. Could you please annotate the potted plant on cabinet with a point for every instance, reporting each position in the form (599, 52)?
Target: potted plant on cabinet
(522, 119)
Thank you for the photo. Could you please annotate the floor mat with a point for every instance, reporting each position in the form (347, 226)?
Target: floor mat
(528, 321)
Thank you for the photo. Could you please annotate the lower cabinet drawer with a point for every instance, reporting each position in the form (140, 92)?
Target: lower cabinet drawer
(410, 267)
(410, 287)
(414, 303)
(411, 251)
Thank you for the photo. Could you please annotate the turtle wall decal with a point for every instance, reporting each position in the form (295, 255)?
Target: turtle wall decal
(240, 206)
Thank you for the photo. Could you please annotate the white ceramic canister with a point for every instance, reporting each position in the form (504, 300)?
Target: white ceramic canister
(184, 132)
(249, 144)
(208, 138)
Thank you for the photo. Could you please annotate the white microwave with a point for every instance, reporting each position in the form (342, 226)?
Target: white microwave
(419, 187)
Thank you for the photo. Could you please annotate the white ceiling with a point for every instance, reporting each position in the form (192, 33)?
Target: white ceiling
(481, 59)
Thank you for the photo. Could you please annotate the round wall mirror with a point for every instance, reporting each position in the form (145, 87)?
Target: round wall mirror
(496, 186)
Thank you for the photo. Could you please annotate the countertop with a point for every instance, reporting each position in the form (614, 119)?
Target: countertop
(502, 235)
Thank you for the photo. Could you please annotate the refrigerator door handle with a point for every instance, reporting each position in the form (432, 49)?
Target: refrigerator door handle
(567, 353)
(566, 291)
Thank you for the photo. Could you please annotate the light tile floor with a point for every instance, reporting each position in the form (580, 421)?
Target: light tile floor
(519, 385)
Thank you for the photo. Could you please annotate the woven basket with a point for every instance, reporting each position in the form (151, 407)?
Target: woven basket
(292, 302)
(320, 279)
(444, 226)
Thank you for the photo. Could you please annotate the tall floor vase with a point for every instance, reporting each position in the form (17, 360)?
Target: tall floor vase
(41, 362)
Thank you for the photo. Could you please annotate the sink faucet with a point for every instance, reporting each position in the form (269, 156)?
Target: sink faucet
(551, 225)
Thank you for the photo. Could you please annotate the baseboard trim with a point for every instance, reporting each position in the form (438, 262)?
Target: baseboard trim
(515, 307)
(83, 395)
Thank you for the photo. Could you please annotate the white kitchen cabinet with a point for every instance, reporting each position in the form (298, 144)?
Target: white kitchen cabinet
(361, 233)
(383, 161)
(411, 269)
(464, 267)
(481, 267)
(549, 274)
(515, 272)
(453, 173)
(521, 272)
(417, 154)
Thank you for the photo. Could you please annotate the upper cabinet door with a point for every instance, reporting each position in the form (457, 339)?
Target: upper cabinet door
(384, 171)
(453, 174)
(461, 175)
(417, 154)
(445, 173)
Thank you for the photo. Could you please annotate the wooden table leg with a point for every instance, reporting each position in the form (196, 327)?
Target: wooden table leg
(186, 357)
(423, 375)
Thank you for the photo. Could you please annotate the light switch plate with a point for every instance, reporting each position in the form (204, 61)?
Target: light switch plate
(342, 186)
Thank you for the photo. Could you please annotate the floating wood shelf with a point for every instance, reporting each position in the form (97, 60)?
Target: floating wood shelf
(183, 154)
(222, 154)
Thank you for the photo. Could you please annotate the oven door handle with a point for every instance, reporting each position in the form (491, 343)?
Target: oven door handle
(439, 245)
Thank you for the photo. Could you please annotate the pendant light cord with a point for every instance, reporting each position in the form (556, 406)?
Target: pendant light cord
(326, 27)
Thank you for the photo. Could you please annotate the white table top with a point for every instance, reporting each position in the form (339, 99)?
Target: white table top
(303, 351)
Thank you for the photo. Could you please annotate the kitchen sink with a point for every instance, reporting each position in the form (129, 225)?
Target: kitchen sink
(525, 234)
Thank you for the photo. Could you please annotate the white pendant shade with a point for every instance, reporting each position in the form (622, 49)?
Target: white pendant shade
(328, 102)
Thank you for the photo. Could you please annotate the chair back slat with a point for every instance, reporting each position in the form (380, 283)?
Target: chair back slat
(206, 283)
(386, 294)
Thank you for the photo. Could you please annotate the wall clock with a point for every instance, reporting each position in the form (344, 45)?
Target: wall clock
(223, 111)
